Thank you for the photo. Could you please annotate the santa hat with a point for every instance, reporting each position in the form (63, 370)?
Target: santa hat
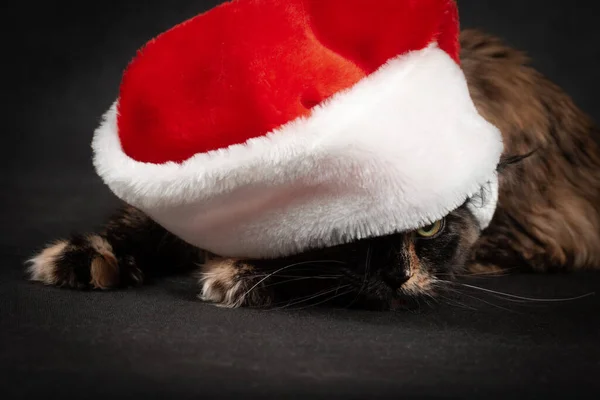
(264, 128)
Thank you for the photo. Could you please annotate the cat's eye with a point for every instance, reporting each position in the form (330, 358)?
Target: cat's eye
(431, 231)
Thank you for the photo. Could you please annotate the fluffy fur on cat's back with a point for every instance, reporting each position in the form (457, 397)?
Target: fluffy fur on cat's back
(549, 206)
(548, 215)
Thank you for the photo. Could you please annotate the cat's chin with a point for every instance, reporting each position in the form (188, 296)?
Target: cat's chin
(398, 304)
(390, 302)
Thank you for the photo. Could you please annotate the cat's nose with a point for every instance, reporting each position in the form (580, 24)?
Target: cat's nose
(395, 279)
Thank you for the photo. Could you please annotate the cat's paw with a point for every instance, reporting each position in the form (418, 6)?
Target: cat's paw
(84, 261)
(232, 283)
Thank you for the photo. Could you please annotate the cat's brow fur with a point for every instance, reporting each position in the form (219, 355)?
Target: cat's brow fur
(548, 215)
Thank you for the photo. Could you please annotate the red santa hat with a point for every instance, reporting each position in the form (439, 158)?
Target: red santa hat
(264, 128)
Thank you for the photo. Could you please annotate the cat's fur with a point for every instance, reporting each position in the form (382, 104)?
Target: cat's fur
(548, 215)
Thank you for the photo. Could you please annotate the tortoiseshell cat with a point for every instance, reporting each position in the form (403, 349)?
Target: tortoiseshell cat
(548, 216)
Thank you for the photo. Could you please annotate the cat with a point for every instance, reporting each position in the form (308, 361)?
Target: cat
(548, 216)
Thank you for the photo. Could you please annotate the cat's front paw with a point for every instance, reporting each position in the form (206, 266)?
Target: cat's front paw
(84, 261)
(232, 283)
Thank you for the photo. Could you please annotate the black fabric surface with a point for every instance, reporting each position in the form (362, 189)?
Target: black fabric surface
(65, 60)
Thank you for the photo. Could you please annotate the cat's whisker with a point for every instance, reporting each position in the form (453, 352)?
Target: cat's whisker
(431, 296)
(509, 299)
(312, 296)
(456, 303)
(473, 274)
(444, 286)
(309, 269)
(428, 296)
(299, 300)
(447, 288)
(531, 299)
(328, 276)
(486, 302)
(283, 304)
(326, 300)
(366, 278)
(465, 306)
(418, 302)
(288, 267)
(501, 295)
(300, 278)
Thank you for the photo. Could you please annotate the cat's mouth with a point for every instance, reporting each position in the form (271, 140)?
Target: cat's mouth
(375, 293)
(398, 304)
(394, 302)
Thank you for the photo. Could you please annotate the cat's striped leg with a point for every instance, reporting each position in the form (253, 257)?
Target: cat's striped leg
(130, 249)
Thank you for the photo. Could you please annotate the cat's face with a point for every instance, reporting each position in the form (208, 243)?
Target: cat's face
(413, 264)
(392, 270)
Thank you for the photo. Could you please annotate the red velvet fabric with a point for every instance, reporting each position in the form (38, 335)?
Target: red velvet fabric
(247, 67)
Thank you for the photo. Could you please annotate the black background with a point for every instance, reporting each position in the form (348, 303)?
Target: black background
(62, 66)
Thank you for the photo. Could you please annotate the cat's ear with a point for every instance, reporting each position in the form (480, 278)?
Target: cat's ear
(509, 160)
